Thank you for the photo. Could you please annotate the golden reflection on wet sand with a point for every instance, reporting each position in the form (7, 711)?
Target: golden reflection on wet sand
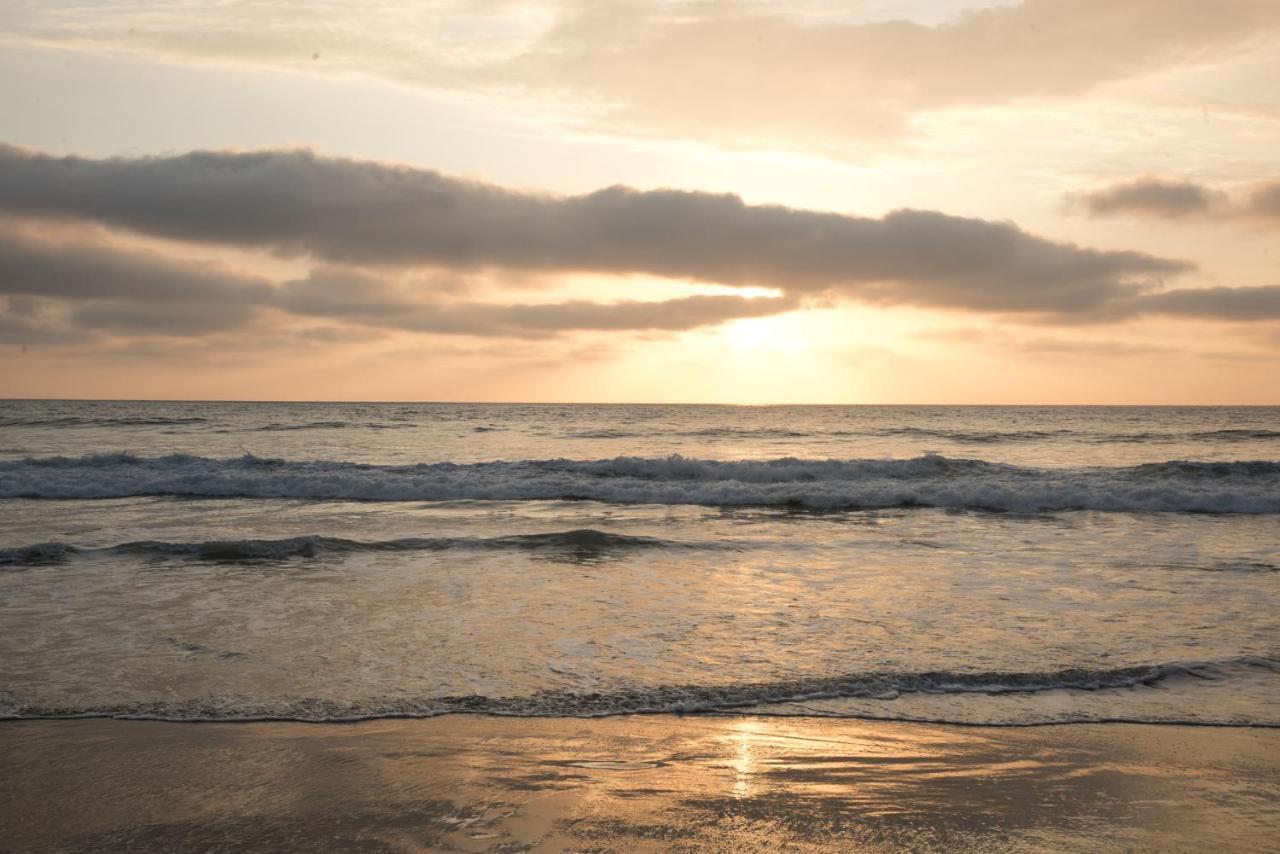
(658, 783)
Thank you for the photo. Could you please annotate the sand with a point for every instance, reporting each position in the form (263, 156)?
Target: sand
(654, 783)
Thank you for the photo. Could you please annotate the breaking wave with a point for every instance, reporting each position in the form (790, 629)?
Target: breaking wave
(931, 480)
(741, 697)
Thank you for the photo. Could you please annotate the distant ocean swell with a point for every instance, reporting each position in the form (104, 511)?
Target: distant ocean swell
(965, 437)
(885, 686)
(104, 421)
(228, 424)
(1251, 487)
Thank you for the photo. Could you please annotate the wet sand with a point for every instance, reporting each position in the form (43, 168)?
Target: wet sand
(660, 783)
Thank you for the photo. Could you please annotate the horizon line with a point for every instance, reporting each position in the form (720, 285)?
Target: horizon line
(617, 403)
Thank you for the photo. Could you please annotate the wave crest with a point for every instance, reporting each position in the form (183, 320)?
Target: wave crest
(886, 686)
(931, 480)
(1247, 486)
(580, 542)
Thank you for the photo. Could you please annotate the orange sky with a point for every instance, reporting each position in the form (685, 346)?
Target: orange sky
(1053, 201)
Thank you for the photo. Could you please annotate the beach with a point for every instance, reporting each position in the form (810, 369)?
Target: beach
(409, 627)
(635, 783)
(680, 426)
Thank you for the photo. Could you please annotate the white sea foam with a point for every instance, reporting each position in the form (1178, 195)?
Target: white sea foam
(926, 481)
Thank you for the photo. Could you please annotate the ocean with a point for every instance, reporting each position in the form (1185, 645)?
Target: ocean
(334, 562)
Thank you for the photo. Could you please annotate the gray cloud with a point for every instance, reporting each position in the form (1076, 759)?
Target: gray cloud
(542, 319)
(395, 220)
(178, 319)
(1163, 198)
(1149, 196)
(23, 331)
(357, 297)
(44, 268)
(350, 212)
(1259, 303)
(118, 291)
(137, 293)
(1264, 202)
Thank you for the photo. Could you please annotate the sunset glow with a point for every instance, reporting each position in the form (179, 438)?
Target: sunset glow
(613, 223)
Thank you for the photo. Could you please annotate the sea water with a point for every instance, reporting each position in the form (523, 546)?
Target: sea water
(986, 565)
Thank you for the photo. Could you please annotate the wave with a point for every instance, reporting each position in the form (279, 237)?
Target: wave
(101, 421)
(707, 433)
(881, 686)
(580, 542)
(979, 437)
(963, 437)
(972, 437)
(1225, 435)
(754, 433)
(603, 434)
(301, 425)
(1178, 486)
(292, 426)
(40, 554)
(1245, 566)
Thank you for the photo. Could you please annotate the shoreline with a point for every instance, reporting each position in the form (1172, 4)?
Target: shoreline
(658, 782)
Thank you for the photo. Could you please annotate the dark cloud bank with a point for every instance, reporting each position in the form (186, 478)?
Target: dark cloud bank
(394, 221)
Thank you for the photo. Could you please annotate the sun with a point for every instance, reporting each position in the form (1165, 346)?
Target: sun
(778, 334)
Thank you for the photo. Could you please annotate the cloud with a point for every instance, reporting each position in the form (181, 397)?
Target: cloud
(1003, 343)
(356, 297)
(162, 318)
(351, 212)
(1091, 348)
(724, 70)
(23, 331)
(1263, 202)
(1245, 304)
(47, 268)
(1164, 198)
(1149, 196)
(112, 290)
(118, 291)
(789, 73)
(413, 232)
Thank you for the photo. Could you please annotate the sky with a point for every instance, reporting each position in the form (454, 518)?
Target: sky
(723, 201)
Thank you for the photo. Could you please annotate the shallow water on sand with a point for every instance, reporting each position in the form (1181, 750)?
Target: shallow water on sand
(654, 783)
